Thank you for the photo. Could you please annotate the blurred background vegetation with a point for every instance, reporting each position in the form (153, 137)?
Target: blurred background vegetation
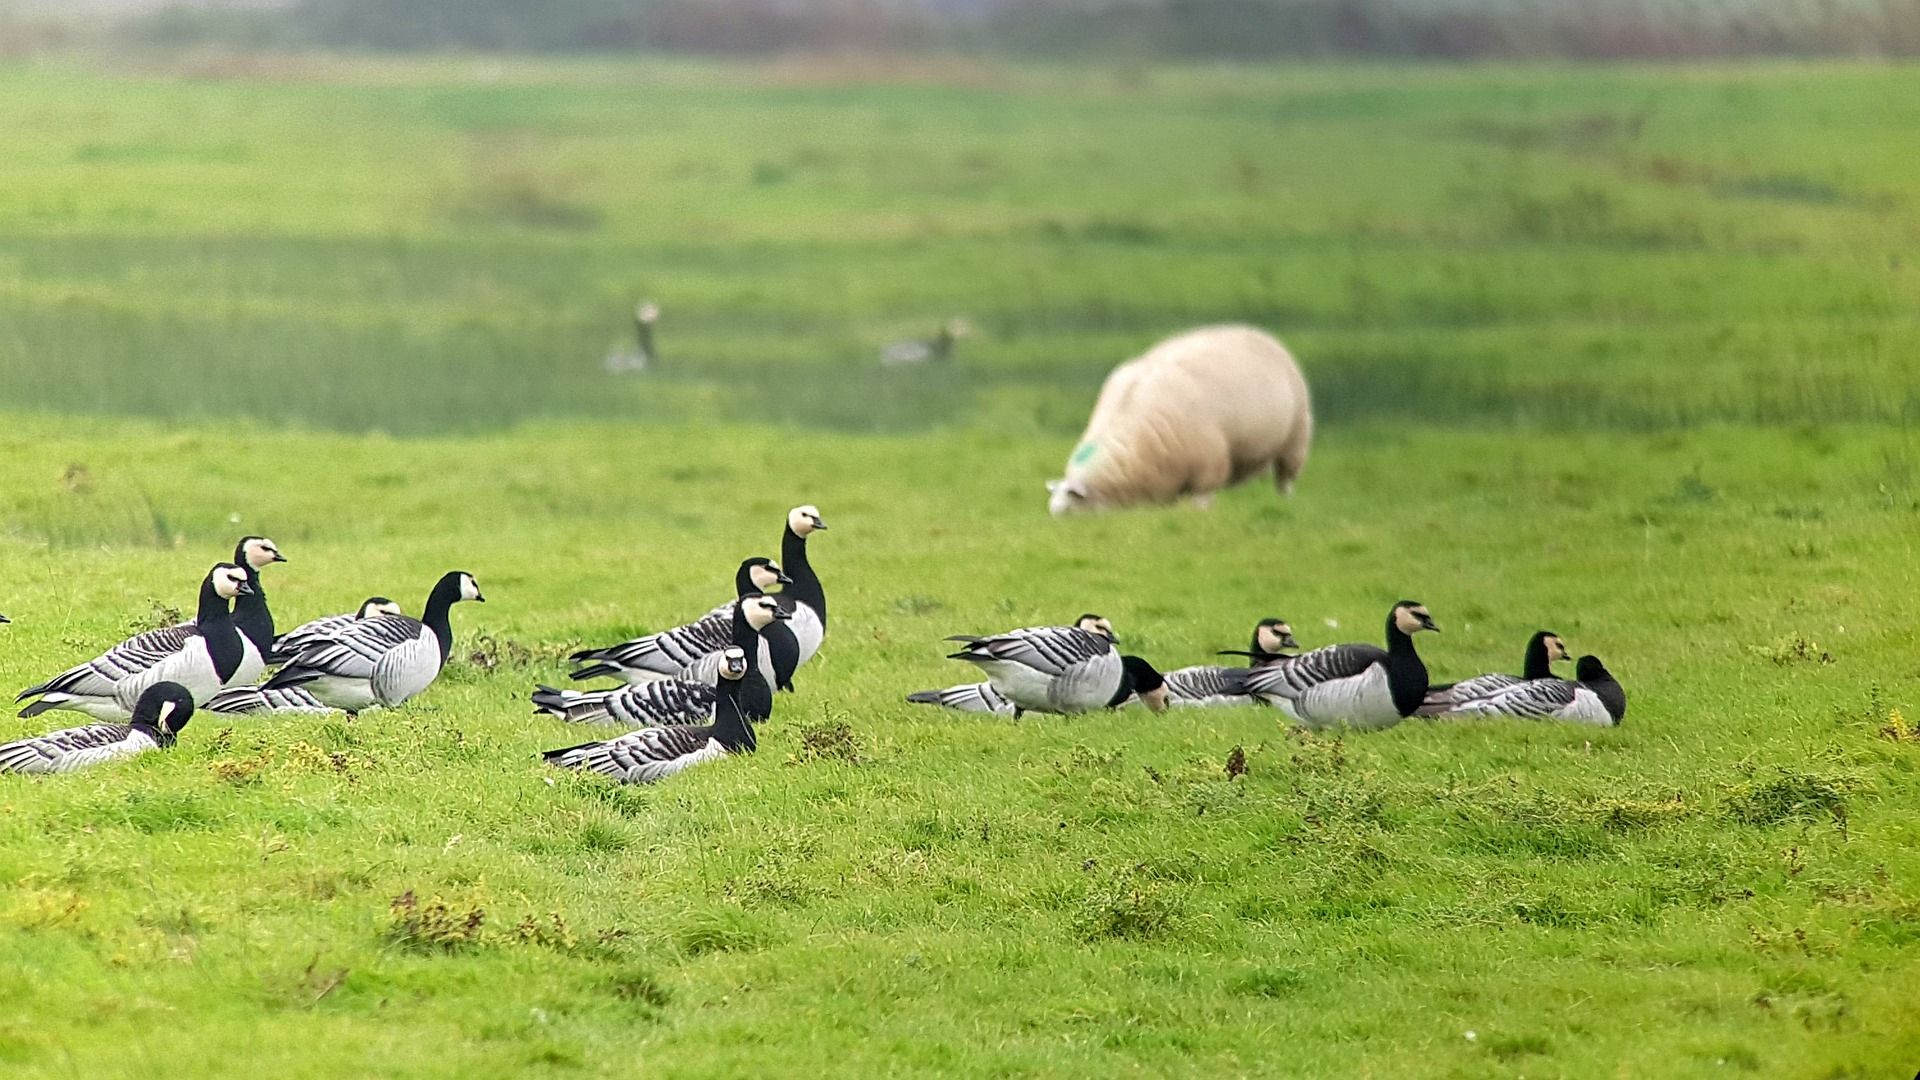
(1171, 28)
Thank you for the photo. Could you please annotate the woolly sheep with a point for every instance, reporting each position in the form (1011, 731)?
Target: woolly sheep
(1199, 412)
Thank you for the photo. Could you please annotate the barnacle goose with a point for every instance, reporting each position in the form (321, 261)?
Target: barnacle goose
(1063, 669)
(383, 660)
(805, 598)
(1543, 648)
(649, 755)
(1591, 697)
(1212, 684)
(250, 613)
(289, 644)
(920, 350)
(677, 701)
(640, 358)
(203, 656)
(689, 652)
(1361, 685)
(157, 717)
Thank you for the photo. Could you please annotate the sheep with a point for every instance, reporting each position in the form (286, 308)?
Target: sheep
(1198, 412)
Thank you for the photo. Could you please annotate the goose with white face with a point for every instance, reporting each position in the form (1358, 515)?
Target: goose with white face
(260, 552)
(1357, 685)
(805, 598)
(383, 660)
(203, 656)
(1544, 649)
(162, 710)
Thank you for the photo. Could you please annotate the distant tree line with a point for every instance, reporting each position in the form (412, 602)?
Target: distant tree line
(1240, 29)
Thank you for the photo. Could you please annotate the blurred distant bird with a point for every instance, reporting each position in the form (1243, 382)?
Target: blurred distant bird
(641, 356)
(937, 348)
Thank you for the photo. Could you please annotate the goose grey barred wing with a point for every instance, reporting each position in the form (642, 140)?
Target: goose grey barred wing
(356, 649)
(1530, 698)
(971, 697)
(639, 705)
(243, 700)
(289, 645)
(407, 668)
(1208, 685)
(643, 756)
(73, 748)
(1050, 650)
(102, 675)
(1289, 678)
(671, 651)
(1441, 699)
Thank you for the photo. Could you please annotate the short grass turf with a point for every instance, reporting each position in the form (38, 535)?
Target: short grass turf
(1728, 884)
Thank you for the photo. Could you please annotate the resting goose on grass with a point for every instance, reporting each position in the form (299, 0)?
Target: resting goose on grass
(1212, 684)
(690, 652)
(1360, 685)
(289, 644)
(650, 755)
(1063, 669)
(203, 656)
(1591, 697)
(159, 714)
(666, 702)
(383, 660)
(1543, 648)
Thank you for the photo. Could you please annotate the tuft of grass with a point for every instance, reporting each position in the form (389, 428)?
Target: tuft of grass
(433, 925)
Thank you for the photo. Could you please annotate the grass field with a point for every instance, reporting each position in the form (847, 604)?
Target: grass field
(1625, 353)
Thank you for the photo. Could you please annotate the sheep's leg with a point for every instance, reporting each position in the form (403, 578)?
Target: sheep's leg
(1292, 460)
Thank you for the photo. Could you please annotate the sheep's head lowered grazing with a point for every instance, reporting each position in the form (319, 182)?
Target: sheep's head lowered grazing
(1066, 497)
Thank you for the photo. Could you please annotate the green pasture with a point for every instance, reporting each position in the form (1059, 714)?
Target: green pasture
(1627, 353)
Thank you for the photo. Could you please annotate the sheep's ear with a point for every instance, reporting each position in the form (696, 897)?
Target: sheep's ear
(1054, 485)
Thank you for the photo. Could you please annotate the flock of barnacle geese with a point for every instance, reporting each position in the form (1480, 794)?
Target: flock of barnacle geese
(693, 694)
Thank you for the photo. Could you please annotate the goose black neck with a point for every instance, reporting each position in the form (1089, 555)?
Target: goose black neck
(213, 607)
(643, 332)
(806, 587)
(755, 696)
(743, 581)
(437, 615)
(1406, 672)
(250, 612)
(217, 631)
(1538, 664)
(730, 724)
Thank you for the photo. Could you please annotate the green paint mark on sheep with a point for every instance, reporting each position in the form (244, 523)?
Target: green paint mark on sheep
(1083, 454)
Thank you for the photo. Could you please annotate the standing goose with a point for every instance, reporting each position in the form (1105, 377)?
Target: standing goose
(1212, 684)
(1363, 686)
(159, 714)
(288, 645)
(1543, 648)
(650, 755)
(203, 656)
(1591, 697)
(383, 660)
(1063, 669)
(641, 357)
(666, 702)
(804, 599)
(689, 652)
